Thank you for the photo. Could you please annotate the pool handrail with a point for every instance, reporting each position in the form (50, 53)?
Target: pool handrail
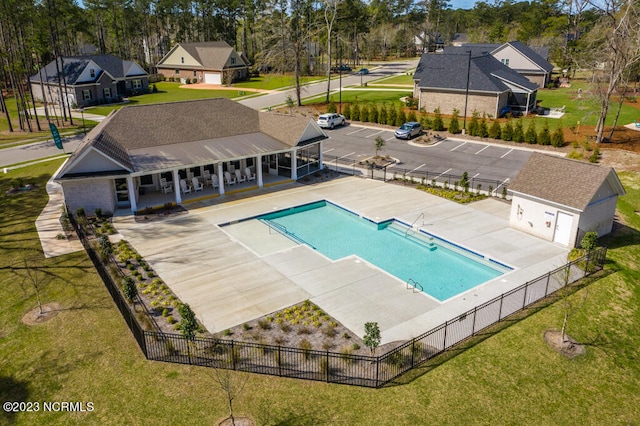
(415, 284)
(414, 222)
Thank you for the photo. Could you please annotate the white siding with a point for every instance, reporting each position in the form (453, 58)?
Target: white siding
(539, 219)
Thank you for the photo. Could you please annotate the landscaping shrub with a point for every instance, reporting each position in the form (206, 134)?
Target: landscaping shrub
(454, 124)
(593, 158)
(438, 124)
(401, 118)
(364, 113)
(373, 113)
(391, 116)
(495, 132)
(507, 131)
(544, 137)
(531, 136)
(411, 116)
(382, 115)
(355, 112)
(80, 212)
(557, 138)
(473, 128)
(483, 131)
(518, 132)
(347, 111)
(332, 107)
(426, 122)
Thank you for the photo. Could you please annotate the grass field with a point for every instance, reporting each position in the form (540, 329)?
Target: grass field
(274, 82)
(86, 353)
(363, 96)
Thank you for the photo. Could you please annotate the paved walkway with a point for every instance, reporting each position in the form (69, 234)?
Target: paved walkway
(49, 226)
(233, 274)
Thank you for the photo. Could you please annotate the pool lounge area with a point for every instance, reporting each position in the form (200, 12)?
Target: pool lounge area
(230, 276)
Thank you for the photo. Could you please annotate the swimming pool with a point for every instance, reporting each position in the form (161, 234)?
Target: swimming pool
(441, 269)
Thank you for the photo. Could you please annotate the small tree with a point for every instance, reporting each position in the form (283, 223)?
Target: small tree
(473, 128)
(332, 107)
(290, 103)
(129, 289)
(401, 118)
(507, 131)
(412, 116)
(544, 137)
(188, 323)
(391, 116)
(373, 113)
(557, 138)
(364, 113)
(495, 132)
(382, 116)
(518, 132)
(483, 129)
(531, 136)
(589, 241)
(454, 124)
(346, 111)
(355, 112)
(232, 384)
(106, 248)
(32, 274)
(437, 124)
(378, 144)
(464, 182)
(372, 336)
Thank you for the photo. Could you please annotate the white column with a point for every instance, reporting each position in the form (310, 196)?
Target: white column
(220, 179)
(320, 155)
(259, 170)
(294, 164)
(176, 186)
(133, 197)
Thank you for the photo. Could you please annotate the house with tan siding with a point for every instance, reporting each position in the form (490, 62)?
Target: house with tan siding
(213, 62)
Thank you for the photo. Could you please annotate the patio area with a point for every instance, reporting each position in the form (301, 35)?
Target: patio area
(230, 275)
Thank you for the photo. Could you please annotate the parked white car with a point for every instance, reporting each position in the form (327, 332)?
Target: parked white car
(331, 120)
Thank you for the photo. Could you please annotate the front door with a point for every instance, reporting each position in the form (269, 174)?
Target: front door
(564, 223)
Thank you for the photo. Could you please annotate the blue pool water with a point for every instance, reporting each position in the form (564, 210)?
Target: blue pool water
(442, 271)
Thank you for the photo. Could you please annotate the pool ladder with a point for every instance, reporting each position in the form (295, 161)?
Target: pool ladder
(414, 222)
(415, 285)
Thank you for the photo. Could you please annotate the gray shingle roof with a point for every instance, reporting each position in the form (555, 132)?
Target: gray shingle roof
(75, 65)
(449, 71)
(152, 137)
(563, 181)
(212, 55)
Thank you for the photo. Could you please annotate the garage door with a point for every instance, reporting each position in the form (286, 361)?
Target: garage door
(212, 78)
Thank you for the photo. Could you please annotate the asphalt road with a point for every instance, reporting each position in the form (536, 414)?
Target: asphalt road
(448, 157)
(316, 89)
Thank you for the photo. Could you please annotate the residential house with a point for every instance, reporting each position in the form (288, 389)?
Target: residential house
(213, 62)
(149, 155)
(560, 200)
(88, 80)
(468, 82)
(530, 62)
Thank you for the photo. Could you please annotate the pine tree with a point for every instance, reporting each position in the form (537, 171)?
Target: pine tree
(495, 132)
(391, 116)
(507, 131)
(438, 124)
(531, 136)
(347, 112)
(382, 116)
(355, 112)
(401, 117)
(474, 126)
(544, 137)
(557, 138)
(483, 130)
(373, 113)
(454, 124)
(518, 132)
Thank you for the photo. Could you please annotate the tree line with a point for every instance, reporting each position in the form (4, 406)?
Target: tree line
(306, 36)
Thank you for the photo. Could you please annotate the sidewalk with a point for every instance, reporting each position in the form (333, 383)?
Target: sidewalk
(49, 226)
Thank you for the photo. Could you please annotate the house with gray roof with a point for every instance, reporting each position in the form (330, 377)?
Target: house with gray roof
(149, 155)
(560, 199)
(88, 80)
(529, 61)
(471, 82)
(212, 62)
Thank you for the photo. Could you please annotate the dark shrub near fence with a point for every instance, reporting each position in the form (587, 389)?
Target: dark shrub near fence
(344, 368)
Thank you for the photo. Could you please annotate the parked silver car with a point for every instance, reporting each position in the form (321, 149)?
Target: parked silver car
(331, 120)
(408, 130)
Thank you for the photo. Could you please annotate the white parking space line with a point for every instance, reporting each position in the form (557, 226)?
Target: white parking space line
(482, 149)
(507, 153)
(505, 181)
(377, 133)
(464, 143)
(328, 150)
(344, 156)
(445, 172)
(356, 131)
(388, 139)
(475, 176)
(419, 167)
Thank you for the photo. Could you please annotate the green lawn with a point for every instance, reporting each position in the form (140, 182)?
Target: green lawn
(87, 353)
(398, 79)
(364, 96)
(275, 81)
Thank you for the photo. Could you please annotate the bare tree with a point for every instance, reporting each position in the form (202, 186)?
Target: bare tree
(31, 274)
(614, 47)
(232, 384)
(330, 12)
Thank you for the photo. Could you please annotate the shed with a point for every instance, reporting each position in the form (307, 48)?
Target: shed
(560, 199)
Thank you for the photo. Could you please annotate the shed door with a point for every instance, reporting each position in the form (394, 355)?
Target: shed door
(563, 228)
(212, 78)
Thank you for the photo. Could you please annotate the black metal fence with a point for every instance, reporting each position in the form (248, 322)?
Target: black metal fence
(343, 368)
(356, 168)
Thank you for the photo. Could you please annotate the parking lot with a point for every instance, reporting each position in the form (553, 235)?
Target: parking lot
(450, 156)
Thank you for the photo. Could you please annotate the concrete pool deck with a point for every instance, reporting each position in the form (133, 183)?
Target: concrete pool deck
(236, 273)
